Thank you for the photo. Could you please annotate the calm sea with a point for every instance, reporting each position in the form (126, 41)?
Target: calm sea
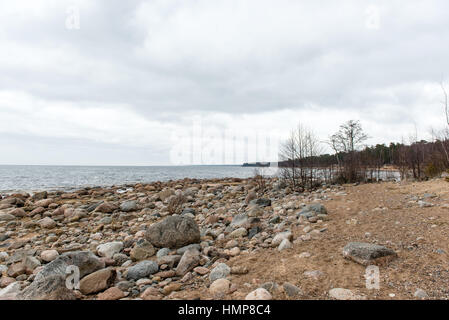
(34, 178)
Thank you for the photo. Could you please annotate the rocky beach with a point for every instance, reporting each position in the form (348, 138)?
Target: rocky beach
(226, 239)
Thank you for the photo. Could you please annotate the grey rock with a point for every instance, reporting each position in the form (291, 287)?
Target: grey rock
(173, 232)
(94, 206)
(142, 270)
(312, 210)
(270, 286)
(128, 206)
(239, 220)
(109, 249)
(285, 244)
(253, 231)
(6, 217)
(170, 260)
(292, 290)
(190, 259)
(162, 252)
(190, 246)
(40, 196)
(262, 202)
(420, 293)
(10, 292)
(86, 261)
(52, 287)
(220, 271)
(367, 253)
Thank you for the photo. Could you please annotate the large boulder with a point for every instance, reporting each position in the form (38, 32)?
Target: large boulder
(173, 232)
(10, 292)
(367, 253)
(52, 287)
(86, 261)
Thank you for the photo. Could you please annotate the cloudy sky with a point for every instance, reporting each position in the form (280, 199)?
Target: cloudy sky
(113, 82)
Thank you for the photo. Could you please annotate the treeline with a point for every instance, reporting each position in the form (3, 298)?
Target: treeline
(304, 167)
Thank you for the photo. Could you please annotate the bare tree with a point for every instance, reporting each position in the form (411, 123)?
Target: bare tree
(298, 154)
(345, 142)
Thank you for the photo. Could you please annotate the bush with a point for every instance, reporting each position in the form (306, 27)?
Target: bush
(431, 170)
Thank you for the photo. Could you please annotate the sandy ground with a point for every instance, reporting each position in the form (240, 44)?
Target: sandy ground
(383, 213)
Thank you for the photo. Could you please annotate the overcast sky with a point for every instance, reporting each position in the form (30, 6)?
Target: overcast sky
(118, 82)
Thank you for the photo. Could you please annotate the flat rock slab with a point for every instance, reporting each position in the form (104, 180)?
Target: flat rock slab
(368, 254)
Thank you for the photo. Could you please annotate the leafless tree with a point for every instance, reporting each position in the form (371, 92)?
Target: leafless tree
(298, 153)
(345, 142)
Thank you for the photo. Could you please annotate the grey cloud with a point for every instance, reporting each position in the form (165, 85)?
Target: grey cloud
(167, 60)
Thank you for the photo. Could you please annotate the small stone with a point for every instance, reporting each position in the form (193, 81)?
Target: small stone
(259, 294)
(142, 250)
(292, 290)
(142, 270)
(162, 252)
(238, 233)
(109, 249)
(314, 274)
(201, 270)
(106, 207)
(49, 255)
(344, 294)
(113, 293)
(6, 217)
(420, 293)
(18, 212)
(304, 255)
(97, 281)
(239, 270)
(128, 206)
(190, 259)
(171, 288)
(220, 271)
(278, 238)
(151, 294)
(285, 244)
(219, 288)
(47, 223)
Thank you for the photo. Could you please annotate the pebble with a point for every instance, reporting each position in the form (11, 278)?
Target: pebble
(219, 288)
(259, 294)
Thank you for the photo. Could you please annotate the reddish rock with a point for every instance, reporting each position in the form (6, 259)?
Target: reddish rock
(106, 207)
(97, 281)
(170, 288)
(38, 210)
(113, 293)
(151, 294)
(19, 213)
